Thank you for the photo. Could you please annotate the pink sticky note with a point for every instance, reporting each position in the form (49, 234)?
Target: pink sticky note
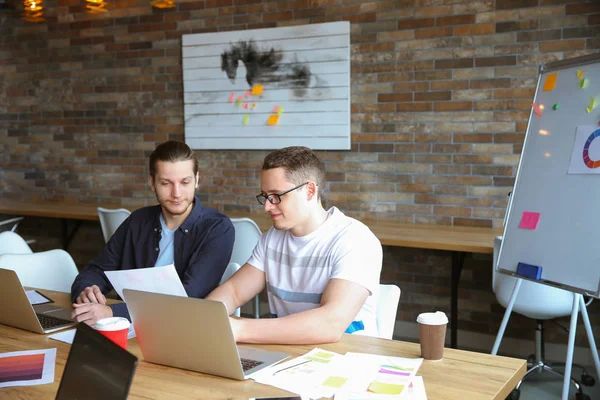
(231, 97)
(529, 220)
(275, 109)
(245, 106)
(537, 110)
(248, 93)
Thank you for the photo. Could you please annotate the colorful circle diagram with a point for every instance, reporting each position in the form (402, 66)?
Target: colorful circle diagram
(586, 151)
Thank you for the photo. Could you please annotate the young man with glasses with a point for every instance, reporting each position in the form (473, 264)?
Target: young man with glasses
(320, 267)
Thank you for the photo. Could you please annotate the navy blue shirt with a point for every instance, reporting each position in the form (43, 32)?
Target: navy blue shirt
(203, 245)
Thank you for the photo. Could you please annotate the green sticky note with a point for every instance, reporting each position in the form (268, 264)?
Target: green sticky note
(246, 119)
(315, 359)
(385, 388)
(584, 83)
(593, 104)
(335, 382)
(322, 354)
(280, 110)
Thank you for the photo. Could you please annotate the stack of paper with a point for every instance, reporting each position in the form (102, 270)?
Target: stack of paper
(354, 376)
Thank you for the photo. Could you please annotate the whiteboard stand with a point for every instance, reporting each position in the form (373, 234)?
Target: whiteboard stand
(578, 305)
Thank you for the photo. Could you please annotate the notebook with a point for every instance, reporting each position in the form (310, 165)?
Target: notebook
(193, 334)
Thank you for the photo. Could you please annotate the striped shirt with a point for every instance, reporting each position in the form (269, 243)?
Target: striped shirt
(298, 269)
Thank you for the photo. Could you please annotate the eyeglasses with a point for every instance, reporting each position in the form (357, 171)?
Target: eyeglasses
(275, 198)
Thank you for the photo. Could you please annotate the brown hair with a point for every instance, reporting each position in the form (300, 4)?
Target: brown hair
(172, 151)
(300, 164)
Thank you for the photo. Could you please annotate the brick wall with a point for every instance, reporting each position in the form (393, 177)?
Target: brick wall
(441, 92)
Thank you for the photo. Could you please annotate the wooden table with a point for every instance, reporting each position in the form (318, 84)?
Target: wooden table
(456, 239)
(460, 375)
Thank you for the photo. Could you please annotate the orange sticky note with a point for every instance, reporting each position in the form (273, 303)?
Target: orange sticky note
(257, 90)
(273, 119)
(529, 220)
(550, 82)
(579, 73)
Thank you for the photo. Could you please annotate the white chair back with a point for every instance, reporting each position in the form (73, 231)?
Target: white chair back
(387, 307)
(247, 234)
(534, 300)
(231, 269)
(12, 243)
(110, 220)
(51, 270)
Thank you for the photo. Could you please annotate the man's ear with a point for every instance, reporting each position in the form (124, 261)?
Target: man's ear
(311, 190)
(197, 179)
(151, 183)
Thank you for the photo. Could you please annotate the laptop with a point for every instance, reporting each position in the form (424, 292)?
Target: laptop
(96, 368)
(17, 311)
(193, 334)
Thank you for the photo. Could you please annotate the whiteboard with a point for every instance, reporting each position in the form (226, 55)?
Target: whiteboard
(304, 98)
(559, 179)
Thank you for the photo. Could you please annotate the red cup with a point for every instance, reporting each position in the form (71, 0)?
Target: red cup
(114, 328)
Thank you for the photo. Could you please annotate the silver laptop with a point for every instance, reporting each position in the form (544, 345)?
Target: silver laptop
(192, 334)
(17, 311)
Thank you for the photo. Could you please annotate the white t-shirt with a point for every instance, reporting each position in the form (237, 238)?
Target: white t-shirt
(298, 269)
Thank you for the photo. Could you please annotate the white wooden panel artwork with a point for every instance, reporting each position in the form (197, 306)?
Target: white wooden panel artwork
(268, 88)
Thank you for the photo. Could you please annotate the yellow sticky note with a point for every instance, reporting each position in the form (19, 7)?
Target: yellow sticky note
(273, 119)
(584, 83)
(280, 110)
(257, 90)
(246, 119)
(335, 382)
(385, 388)
(579, 73)
(593, 104)
(322, 354)
(550, 82)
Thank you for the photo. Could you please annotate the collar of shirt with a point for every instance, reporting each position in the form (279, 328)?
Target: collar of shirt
(187, 225)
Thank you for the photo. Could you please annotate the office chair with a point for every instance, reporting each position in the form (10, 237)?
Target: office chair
(387, 307)
(247, 234)
(12, 243)
(231, 269)
(110, 220)
(539, 302)
(11, 224)
(51, 270)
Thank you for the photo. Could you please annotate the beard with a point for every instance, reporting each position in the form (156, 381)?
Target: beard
(180, 209)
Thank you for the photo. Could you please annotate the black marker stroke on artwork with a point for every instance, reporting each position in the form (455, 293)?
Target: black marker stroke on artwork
(264, 66)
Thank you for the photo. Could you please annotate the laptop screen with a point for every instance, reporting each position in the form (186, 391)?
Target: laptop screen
(96, 368)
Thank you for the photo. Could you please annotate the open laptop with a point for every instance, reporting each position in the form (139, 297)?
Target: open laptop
(192, 334)
(96, 368)
(17, 311)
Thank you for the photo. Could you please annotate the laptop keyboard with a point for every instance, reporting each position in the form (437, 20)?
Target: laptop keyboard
(49, 322)
(249, 364)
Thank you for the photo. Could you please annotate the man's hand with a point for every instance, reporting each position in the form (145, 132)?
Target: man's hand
(91, 294)
(90, 313)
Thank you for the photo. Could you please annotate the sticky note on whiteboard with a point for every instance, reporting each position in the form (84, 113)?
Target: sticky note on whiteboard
(550, 82)
(529, 220)
(273, 119)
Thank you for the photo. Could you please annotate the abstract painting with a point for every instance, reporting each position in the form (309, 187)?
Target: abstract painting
(268, 88)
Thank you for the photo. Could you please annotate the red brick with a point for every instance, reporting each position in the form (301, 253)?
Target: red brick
(562, 45)
(594, 19)
(508, 4)
(455, 20)
(414, 107)
(512, 26)
(453, 106)
(481, 29)
(416, 23)
(432, 96)
(583, 8)
(454, 63)
(495, 61)
(394, 97)
(433, 32)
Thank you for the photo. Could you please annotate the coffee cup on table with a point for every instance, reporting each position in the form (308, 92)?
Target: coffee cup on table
(114, 328)
(432, 334)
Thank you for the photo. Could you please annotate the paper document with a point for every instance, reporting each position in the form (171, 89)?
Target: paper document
(69, 336)
(27, 368)
(36, 298)
(162, 280)
(415, 391)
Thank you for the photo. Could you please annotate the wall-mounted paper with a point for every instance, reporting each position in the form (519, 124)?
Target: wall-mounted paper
(529, 220)
(550, 82)
(585, 157)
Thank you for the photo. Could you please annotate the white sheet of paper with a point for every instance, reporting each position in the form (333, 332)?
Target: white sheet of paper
(69, 336)
(162, 280)
(577, 164)
(47, 370)
(36, 298)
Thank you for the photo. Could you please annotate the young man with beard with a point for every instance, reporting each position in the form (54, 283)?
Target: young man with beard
(197, 239)
(320, 268)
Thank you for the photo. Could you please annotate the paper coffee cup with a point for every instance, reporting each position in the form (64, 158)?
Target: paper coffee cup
(432, 334)
(114, 328)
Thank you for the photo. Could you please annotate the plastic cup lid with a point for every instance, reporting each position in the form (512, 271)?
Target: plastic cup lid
(112, 324)
(436, 318)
